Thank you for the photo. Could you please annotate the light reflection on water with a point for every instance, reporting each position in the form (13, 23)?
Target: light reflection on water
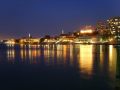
(11, 54)
(86, 59)
(112, 61)
(89, 60)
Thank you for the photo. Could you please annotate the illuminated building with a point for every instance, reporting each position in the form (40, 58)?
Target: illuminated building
(83, 39)
(87, 34)
(65, 39)
(103, 31)
(87, 30)
(29, 41)
(114, 27)
(49, 41)
(87, 39)
(101, 27)
(10, 42)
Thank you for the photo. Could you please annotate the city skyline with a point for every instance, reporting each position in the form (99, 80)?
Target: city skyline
(18, 18)
(59, 44)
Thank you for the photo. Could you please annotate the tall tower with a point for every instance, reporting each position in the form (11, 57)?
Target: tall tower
(62, 31)
(29, 35)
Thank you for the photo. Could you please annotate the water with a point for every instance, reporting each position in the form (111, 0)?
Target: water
(60, 67)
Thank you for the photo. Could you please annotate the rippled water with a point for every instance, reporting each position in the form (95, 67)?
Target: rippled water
(60, 67)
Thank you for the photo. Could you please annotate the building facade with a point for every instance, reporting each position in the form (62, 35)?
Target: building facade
(114, 27)
(101, 27)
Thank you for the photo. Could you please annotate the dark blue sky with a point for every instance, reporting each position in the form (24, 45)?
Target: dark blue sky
(40, 17)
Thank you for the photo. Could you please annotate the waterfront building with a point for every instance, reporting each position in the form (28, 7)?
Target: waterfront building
(101, 27)
(10, 41)
(26, 40)
(103, 31)
(87, 34)
(47, 39)
(114, 27)
(87, 40)
(86, 30)
(65, 38)
(29, 40)
(50, 40)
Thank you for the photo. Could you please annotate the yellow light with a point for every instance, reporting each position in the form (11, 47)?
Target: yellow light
(64, 52)
(71, 54)
(86, 59)
(111, 39)
(86, 31)
(10, 42)
(11, 55)
(112, 61)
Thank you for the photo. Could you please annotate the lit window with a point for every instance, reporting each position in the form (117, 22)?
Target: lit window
(116, 23)
(116, 19)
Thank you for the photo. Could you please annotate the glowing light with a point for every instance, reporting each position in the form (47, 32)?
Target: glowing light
(112, 61)
(101, 56)
(11, 55)
(29, 35)
(10, 42)
(64, 52)
(59, 51)
(71, 54)
(86, 31)
(110, 52)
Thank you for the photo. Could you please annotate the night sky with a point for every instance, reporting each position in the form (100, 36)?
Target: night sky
(41, 17)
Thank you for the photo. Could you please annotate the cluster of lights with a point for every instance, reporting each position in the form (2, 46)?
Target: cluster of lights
(86, 31)
(10, 42)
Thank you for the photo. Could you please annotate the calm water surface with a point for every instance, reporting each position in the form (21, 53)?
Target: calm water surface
(60, 67)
